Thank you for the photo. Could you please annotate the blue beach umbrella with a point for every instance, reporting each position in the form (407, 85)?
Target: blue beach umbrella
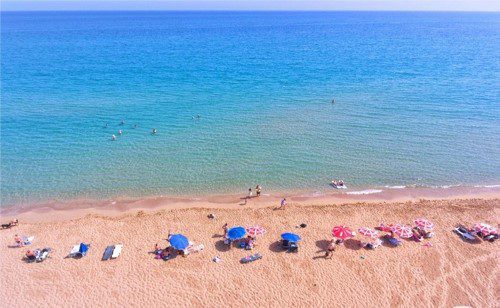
(291, 237)
(178, 241)
(235, 233)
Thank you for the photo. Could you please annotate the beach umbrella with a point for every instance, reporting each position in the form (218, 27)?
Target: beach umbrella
(424, 224)
(178, 241)
(485, 229)
(368, 232)
(255, 230)
(402, 230)
(291, 237)
(342, 232)
(236, 233)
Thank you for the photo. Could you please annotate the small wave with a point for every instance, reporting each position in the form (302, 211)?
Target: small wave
(364, 192)
(396, 187)
(487, 186)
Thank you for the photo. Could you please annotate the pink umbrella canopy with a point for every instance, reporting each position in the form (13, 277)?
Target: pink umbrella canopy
(402, 230)
(485, 229)
(255, 230)
(424, 224)
(342, 232)
(368, 232)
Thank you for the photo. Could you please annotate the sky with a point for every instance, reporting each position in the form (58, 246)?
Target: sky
(272, 5)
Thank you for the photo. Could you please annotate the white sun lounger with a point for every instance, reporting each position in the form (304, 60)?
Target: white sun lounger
(74, 250)
(117, 251)
(196, 248)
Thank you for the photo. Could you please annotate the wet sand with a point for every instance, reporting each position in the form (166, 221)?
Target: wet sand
(449, 273)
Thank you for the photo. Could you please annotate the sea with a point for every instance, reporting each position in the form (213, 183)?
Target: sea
(286, 100)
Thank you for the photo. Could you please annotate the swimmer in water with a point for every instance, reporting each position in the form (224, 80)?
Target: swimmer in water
(333, 101)
(135, 125)
(122, 122)
(120, 132)
(106, 125)
(154, 131)
(113, 137)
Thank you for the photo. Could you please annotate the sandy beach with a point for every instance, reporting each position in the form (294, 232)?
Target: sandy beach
(450, 273)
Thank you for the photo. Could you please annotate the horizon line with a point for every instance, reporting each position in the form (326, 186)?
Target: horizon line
(253, 10)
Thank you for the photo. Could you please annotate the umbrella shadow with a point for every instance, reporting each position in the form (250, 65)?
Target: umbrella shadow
(352, 244)
(322, 244)
(276, 247)
(221, 246)
(217, 235)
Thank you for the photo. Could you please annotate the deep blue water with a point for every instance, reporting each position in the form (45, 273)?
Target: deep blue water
(417, 101)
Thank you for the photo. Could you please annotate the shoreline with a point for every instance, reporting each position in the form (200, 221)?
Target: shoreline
(56, 210)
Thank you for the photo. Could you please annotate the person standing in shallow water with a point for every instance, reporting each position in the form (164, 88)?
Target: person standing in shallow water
(258, 190)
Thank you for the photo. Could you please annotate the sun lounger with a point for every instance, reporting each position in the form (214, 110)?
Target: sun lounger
(73, 251)
(195, 248)
(251, 258)
(293, 247)
(392, 240)
(373, 245)
(43, 254)
(464, 233)
(117, 251)
(78, 251)
(107, 253)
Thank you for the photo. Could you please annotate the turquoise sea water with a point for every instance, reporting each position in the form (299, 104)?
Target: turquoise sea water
(417, 101)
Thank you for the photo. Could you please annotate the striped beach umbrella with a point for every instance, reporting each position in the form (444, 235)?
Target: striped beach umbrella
(402, 230)
(255, 230)
(342, 232)
(424, 224)
(485, 229)
(368, 232)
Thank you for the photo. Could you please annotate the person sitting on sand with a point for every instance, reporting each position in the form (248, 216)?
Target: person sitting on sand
(30, 255)
(249, 243)
(157, 249)
(425, 233)
(416, 235)
(18, 240)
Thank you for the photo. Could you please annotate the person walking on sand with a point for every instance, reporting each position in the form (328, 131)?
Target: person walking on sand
(224, 228)
(283, 203)
(250, 193)
(330, 249)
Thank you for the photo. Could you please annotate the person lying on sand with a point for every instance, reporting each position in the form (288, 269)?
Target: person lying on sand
(12, 223)
(416, 235)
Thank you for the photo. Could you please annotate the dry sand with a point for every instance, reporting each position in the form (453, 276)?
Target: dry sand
(450, 273)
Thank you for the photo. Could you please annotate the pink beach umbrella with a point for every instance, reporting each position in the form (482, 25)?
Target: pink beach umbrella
(255, 230)
(342, 232)
(485, 229)
(368, 232)
(402, 230)
(424, 224)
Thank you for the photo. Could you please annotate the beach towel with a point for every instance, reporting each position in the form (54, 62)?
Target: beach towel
(107, 253)
(251, 258)
(117, 251)
(27, 240)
